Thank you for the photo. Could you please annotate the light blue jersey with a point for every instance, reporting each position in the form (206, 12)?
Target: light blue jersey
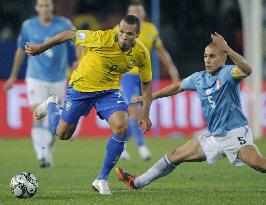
(51, 65)
(220, 99)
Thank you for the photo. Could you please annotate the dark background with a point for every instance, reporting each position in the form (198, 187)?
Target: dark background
(185, 26)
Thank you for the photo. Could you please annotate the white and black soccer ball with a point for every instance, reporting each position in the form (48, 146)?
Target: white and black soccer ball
(24, 185)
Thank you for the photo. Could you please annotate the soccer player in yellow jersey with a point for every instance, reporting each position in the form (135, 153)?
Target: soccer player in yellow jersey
(95, 83)
(131, 83)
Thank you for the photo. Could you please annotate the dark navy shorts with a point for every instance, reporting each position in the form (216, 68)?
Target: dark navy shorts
(79, 104)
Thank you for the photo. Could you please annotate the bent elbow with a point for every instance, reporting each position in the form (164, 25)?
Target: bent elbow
(249, 71)
(67, 35)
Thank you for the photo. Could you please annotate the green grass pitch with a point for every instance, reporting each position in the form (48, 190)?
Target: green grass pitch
(78, 162)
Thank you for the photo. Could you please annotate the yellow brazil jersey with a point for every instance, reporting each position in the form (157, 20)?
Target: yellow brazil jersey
(102, 63)
(149, 36)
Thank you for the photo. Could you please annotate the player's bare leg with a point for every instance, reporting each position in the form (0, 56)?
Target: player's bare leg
(64, 130)
(188, 152)
(118, 122)
(251, 156)
(191, 151)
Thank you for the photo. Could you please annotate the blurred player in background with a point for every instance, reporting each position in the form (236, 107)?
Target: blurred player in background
(229, 135)
(95, 83)
(46, 73)
(130, 82)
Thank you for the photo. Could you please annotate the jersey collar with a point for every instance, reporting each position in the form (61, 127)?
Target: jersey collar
(215, 73)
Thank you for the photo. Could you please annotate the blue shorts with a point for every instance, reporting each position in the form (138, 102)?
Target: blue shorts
(130, 86)
(79, 104)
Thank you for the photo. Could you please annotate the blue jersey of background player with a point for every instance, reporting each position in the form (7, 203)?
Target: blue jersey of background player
(46, 73)
(219, 92)
(50, 66)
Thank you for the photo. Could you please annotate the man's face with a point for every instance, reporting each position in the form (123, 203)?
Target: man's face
(214, 58)
(44, 8)
(137, 10)
(126, 35)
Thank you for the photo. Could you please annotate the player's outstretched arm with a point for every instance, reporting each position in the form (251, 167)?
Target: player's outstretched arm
(169, 90)
(236, 58)
(57, 39)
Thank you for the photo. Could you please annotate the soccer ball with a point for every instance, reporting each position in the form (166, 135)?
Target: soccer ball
(24, 185)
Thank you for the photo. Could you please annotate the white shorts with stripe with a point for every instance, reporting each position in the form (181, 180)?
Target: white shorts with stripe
(38, 91)
(218, 147)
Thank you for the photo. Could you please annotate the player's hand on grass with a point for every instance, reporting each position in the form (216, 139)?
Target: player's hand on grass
(33, 50)
(220, 42)
(145, 124)
(9, 83)
(137, 99)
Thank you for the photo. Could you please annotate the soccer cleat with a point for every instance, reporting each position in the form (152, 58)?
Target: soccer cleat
(101, 186)
(41, 111)
(127, 178)
(125, 155)
(144, 153)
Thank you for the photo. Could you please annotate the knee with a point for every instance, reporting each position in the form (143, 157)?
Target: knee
(258, 163)
(63, 135)
(191, 151)
(120, 128)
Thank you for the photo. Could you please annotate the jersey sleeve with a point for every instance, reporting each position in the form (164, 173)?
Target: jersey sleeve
(98, 38)
(157, 42)
(232, 74)
(189, 82)
(116, 28)
(23, 37)
(145, 71)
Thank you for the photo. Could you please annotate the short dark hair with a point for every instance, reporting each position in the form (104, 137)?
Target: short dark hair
(211, 44)
(132, 20)
(52, 2)
(214, 45)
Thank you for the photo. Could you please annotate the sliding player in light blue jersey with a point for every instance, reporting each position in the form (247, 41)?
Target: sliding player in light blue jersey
(46, 73)
(228, 133)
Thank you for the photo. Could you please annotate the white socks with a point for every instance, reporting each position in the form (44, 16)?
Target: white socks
(159, 169)
(43, 143)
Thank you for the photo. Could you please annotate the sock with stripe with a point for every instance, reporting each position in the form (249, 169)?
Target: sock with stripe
(114, 148)
(159, 169)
